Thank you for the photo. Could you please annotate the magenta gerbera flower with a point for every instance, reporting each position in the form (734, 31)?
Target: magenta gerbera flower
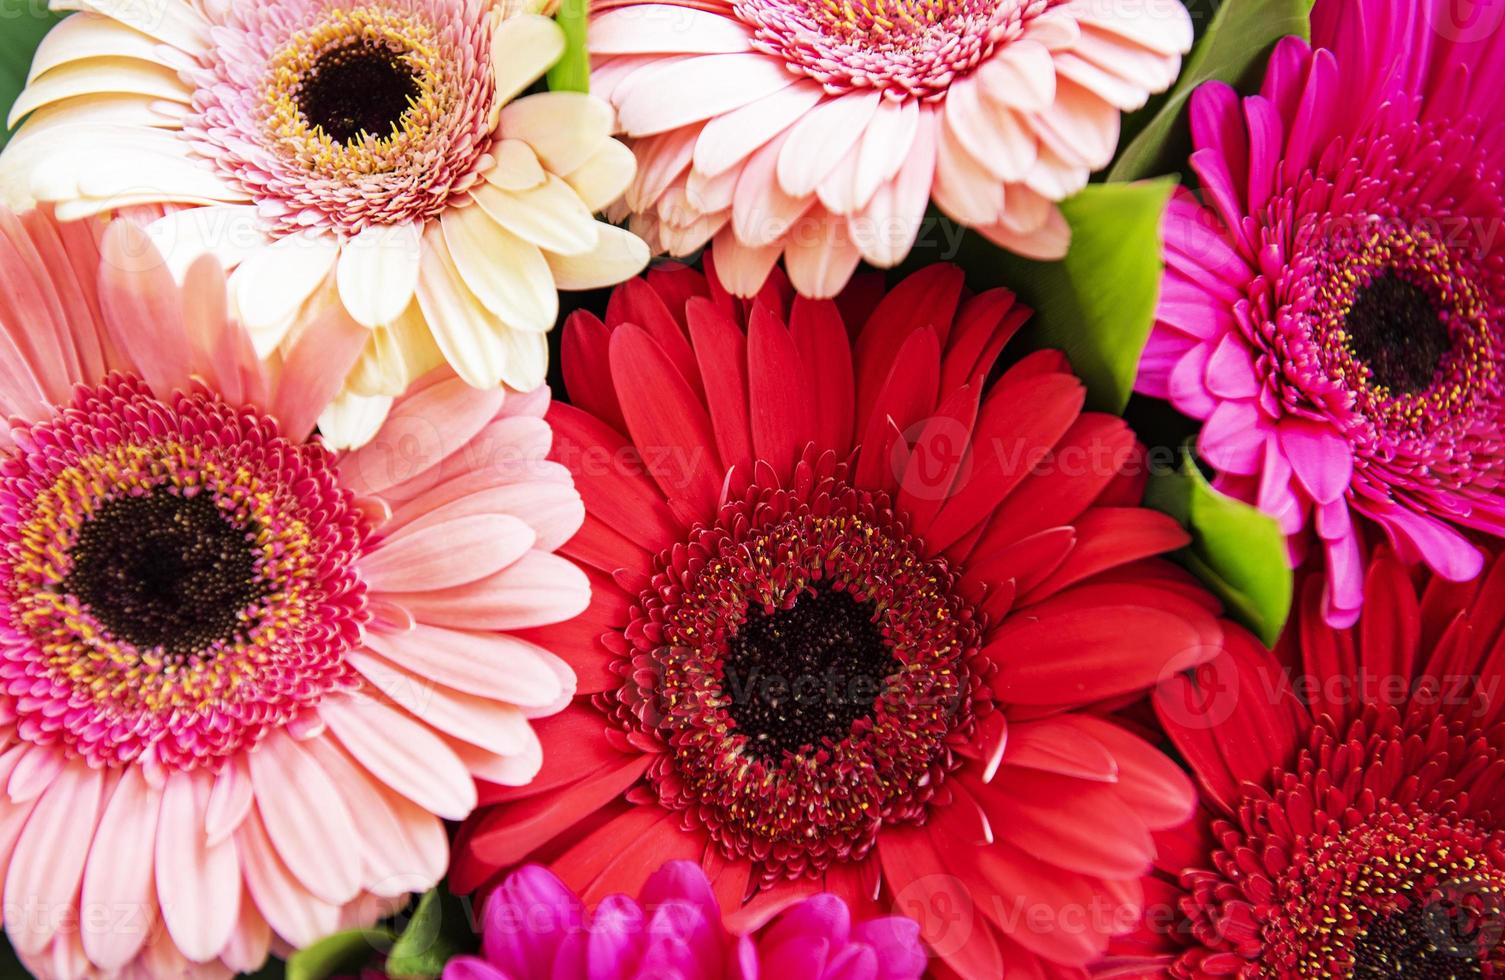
(1334, 308)
(535, 926)
(821, 131)
(243, 679)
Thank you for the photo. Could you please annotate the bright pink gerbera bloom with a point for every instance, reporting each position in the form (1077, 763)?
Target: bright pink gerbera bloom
(242, 679)
(855, 616)
(1354, 795)
(821, 131)
(1335, 311)
(534, 926)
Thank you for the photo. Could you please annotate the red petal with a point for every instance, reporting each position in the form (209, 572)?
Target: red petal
(908, 395)
(586, 361)
(721, 349)
(827, 355)
(637, 303)
(608, 472)
(669, 425)
(1109, 537)
(780, 407)
(926, 299)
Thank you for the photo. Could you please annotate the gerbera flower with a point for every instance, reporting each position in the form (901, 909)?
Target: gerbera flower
(1334, 311)
(1354, 807)
(370, 154)
(534, 926)
(854, 611)
(820, 131)
(242, 679)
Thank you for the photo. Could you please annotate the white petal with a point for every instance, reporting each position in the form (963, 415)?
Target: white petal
(378, 272)
(173, 21)
(351, 421)
(507, 274)
(88, 35)
(551, 215)
(273, 283)
(522, 49)
(469, 335)
(617, 257)
(97, 76)
(230, 233)
(563, 128)
(517, 167)
(604, 178)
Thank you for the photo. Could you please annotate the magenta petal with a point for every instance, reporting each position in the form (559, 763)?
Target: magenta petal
(1230, 371)
(472, 968)
(1321, 457)
(616, 939)
(853, 963)
(526, 919)
(897, 941)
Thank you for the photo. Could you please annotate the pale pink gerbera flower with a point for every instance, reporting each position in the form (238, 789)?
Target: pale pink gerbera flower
(364, 153)
(242, 679)
(820, 129)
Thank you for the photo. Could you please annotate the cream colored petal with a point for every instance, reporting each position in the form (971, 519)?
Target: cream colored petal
(86, 35)
(604, 178)
(273, 283)
(230, 233)
(507, 274)
(551, 215)
(173, 21)
(523, 47)
(396, 356)
(564, 128)
(468, 334)
(90, 207)
(617, 257)
(353, 420)
(517, 167)
(378, 273)
(526, 365)
(99, 76)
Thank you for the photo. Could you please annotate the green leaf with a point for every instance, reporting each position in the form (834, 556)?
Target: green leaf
(1098, 304)
(438, 931)
(22, 24)
(1234, 50)
(343, 952)
(1237, 551)
(573, 72)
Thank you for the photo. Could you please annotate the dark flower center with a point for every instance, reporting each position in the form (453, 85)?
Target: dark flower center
(164, 570)
(804, 674)
(1434, 942)
(363, 88)
(1397, 330)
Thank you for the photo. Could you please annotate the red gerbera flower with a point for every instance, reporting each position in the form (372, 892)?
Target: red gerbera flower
(856, 613)
(1354, 791)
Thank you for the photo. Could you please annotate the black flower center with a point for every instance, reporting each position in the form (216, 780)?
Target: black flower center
(164, 570)
(806, 673)
(363, 88)
(1433, 942)
(1396, 329)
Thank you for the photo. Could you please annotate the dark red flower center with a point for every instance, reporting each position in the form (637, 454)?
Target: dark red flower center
(803, 676)
(1396, 328)
(165, 570)
(806, 672)
(1431, 942)
(360, 89)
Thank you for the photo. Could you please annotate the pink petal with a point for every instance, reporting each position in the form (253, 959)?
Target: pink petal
(306, 819)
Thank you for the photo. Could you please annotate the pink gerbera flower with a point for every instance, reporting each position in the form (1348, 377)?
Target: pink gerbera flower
(856, 617)
(243, 679)
(820, 131)
(373, 155)
(1335, 309)
(534, 926)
